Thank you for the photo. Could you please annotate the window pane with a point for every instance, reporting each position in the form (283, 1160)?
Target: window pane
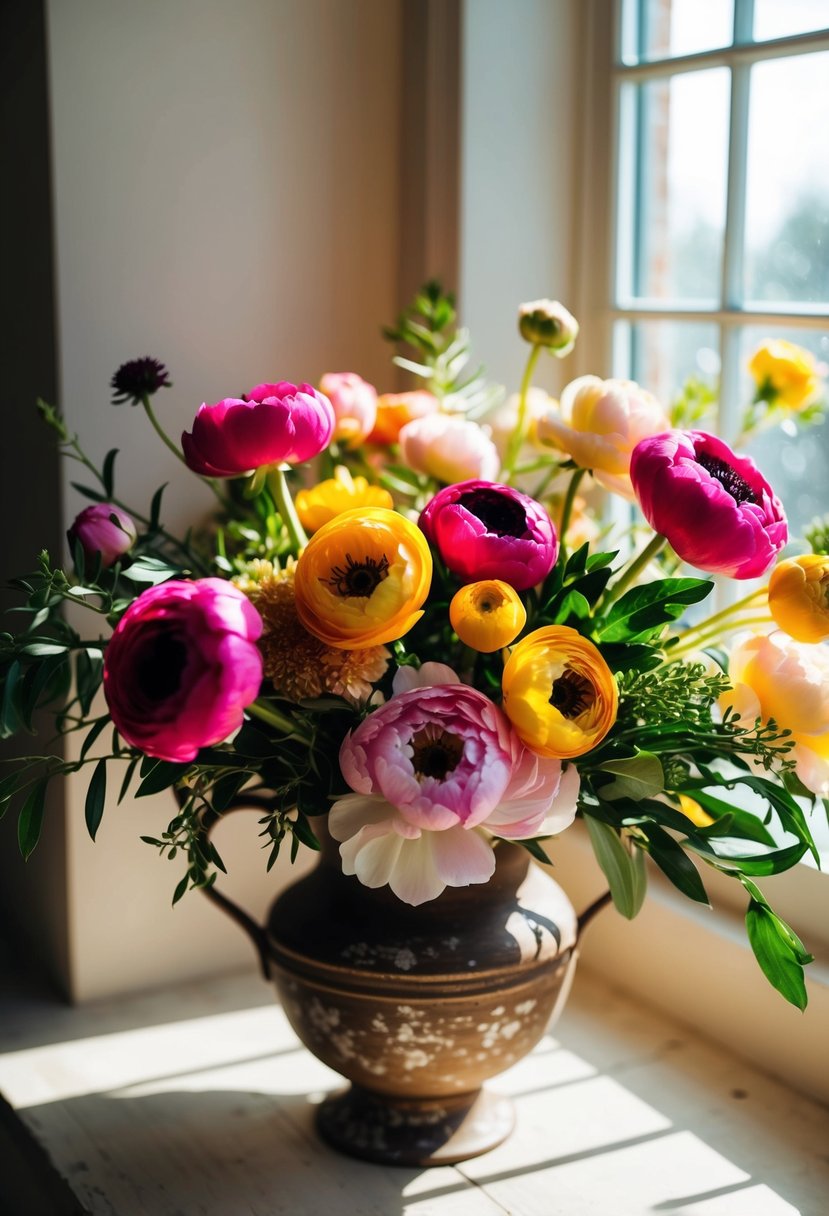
(663, 355)
(787, 208)
(681, 187)
(796, 462)
(778, 19)
(664, 28)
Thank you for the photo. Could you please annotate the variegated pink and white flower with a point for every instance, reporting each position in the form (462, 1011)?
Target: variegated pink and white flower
(436, 772)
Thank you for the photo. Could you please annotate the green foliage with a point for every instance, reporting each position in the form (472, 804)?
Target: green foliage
(623, 866)
(777, 948)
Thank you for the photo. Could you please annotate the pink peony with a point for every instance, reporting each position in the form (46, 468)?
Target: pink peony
(275, 424)
(485, 530)
(448, 448)
(430, 769)
(105, 529)
(181, 667)
(355, 406)
(716, 509)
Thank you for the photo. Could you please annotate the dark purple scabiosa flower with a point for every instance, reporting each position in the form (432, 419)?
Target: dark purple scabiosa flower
(485, 530)
(715, 508)
(137, 379)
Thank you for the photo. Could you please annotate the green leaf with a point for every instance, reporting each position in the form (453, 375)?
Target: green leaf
(181, 887)
(31, 818)
(155, 507)
(95, 495)
(637, 778)
(781, 962)
(724, 854)
(108, 471)
(159, 775)
(96, 798)
(9, 713)
(643, 611)
(125, 784)
(89, 670)
(675, 863)
(150, 570)
(93, 734)
(630, 656)
(624, 871)
(534, 848)
(44, 650)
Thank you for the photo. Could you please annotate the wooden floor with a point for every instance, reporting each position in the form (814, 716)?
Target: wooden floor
(200, 1100)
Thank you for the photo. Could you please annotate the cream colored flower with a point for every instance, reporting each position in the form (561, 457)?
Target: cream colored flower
(449, 448)
(599, 423)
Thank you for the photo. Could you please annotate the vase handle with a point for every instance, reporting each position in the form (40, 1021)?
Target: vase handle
(256, 932)
(590, 911)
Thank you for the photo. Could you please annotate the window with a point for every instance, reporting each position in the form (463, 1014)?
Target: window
(722, 218)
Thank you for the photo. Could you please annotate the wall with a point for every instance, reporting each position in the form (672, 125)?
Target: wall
(225, 199)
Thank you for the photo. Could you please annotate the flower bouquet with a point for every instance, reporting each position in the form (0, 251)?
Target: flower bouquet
(402, 623)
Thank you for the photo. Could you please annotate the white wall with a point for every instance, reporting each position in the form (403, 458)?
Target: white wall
(226, 180)
(518, 188)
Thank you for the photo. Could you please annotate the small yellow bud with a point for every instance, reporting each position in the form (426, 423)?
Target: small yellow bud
(487, 615)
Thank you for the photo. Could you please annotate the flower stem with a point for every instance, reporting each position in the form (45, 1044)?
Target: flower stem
(636, 567)
(517, 436)
(267, 713)
(567, 509)
(159, 429)
(278, 486)
(710, 635)
(723, 614)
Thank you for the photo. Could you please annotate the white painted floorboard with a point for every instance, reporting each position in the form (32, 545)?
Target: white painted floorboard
(199, 1100)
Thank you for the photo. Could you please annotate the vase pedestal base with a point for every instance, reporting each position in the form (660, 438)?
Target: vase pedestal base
(414, 1131)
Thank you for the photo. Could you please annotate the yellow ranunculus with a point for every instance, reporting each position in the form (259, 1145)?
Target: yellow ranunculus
(487, 615)
(362, 579)
(559, 693)
(342, 492)
(692, 810)
(799, 597)
(785, 374)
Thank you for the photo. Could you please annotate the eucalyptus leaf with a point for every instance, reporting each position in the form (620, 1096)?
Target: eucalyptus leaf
(624, 870)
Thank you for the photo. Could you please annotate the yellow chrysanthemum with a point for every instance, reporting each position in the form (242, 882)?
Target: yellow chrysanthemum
(298, 664)
(487, 615)
(799, 597)
(362, 578)
(342, 492)
(785, 374)
(559, 693)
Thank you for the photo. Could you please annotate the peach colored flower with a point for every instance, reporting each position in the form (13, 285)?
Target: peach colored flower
(448, 448)
(355, 406)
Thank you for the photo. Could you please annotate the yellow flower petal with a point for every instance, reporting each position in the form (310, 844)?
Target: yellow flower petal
(799, 597)
(487, 615)
(339, 493)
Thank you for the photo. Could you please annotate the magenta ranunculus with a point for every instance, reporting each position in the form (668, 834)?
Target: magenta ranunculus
(275, 424)
(429, 768)
(715, 508)
(485, 530)
(181, 667)
(105, 529)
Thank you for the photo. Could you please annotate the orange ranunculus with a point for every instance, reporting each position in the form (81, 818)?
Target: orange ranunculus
(339, 493)
(487, 615)
(394, 410)
(799, 597)
(559, 693)
(362, 579)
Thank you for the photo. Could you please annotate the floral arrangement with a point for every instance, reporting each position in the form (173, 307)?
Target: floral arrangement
(403, 617)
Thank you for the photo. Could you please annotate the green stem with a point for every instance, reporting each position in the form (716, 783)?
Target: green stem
(517, 436)
(724, 613)
(711, 634)
(278, 486)
(635, 568)
(159, 430)
(567, 509)
(267, 713)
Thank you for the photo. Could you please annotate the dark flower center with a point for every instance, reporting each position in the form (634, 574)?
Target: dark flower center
(572, 694)
(498, 513)
(161, 667)
(729, 478)
(357, 578)
(435, 752)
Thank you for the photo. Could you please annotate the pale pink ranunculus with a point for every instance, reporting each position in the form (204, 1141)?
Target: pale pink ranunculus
(103, 529)
(182, 666)
(449, 449)
(273, 424)
(435, 771)
(354, 401)
(598, 423)
(773, 676)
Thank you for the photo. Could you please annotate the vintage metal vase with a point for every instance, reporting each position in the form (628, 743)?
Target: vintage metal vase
(418, 1007)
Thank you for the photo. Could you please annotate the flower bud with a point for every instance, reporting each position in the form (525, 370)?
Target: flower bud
(355, 406)
(786, 375)
(105, 529)
(548, 323)
(799, 597)
(487, 615)
(449, 449)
